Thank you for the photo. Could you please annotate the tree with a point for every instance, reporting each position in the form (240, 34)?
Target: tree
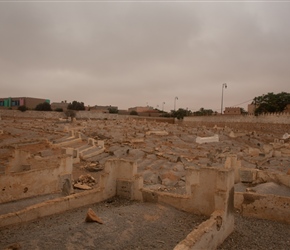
(45, 106)
(271, 103)
(243, 111)
(76, 106)
(203, 111)
(113, 110)
(133, 112)
(180, 113)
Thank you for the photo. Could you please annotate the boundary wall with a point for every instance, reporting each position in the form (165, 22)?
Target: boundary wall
(275, 118)
(82, 115)
(283, 118)
(262, 124)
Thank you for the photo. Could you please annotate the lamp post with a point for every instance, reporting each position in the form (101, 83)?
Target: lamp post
(223, 86)
(176, 98)
(163, 106)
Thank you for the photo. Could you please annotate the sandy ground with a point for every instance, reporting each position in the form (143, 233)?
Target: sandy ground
(127, 225)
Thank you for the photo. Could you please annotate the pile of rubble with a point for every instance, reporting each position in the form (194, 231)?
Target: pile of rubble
(85, 182)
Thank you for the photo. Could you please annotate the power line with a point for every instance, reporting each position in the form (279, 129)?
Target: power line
(242, 103)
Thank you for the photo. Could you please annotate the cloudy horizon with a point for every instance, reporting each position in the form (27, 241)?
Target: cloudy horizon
(137, 53)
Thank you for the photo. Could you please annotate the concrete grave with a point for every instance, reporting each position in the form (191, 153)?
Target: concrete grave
(209, 139)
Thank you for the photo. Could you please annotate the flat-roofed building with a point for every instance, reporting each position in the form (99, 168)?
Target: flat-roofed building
(232, 111)
(59, 105)
(15, 102)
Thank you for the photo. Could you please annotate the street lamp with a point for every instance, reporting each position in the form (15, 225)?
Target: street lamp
(176, 98)
(223, 86)
(163, 106)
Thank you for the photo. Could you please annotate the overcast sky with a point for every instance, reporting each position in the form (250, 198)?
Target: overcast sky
(133, 53)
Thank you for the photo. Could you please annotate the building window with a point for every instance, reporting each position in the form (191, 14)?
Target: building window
(2, 103)
(15, 103)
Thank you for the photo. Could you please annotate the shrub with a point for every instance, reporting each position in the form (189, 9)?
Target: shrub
(76, 106)
(113, 110)
(45, 106)
(70, 113)
(22, 108)
(133, 112)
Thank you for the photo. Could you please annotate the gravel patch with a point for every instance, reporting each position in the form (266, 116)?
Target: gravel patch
(127, 225)
(257, 234)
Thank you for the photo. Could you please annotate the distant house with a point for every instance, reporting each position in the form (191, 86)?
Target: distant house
(102, 109)
(59, 105)
(140, 109)
(15, 102)
(232, 111)
(251, 109)
(287, 108)
(145, 111)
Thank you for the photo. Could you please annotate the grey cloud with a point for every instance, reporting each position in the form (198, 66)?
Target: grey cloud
(128, 53)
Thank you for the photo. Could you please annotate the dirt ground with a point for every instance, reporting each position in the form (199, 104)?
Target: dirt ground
(127, 225)
(257, 234)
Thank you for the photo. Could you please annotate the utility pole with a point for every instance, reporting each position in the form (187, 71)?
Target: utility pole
(223, 86)
(176, 98)
(163, 106)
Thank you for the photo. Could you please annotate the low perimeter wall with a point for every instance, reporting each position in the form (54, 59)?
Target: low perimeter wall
(269, 207)
(51, 207)
(209, 234)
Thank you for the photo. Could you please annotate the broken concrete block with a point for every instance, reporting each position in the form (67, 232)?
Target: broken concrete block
(101, 143)
(267, 148)
(155, 132)
(277, 153)
(254, 151)
(285, 136)
(232, 134)
(46, 153)
(82, 186)
(285, 152)
(201, 140)
(92, 217)
(168, 182)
